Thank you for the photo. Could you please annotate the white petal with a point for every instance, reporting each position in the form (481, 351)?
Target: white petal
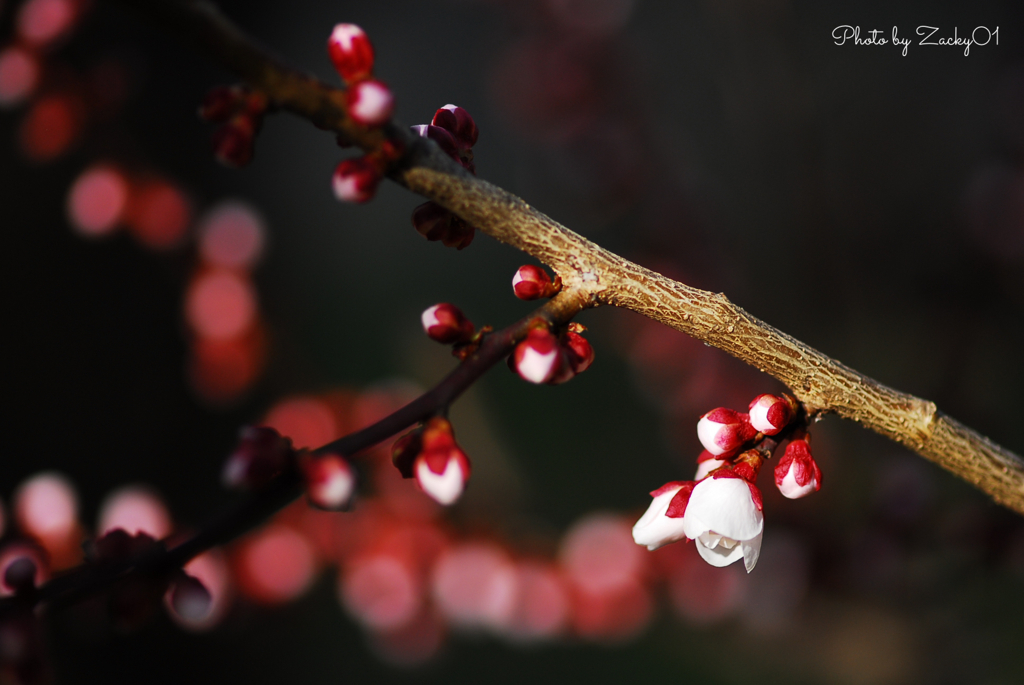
(706, 467)
(517, 279)
(751, 550)
(719, 555)
(707, 431)
(536, 367)
(654, 528)
(759, 417)
(444, 487)
(429, 317)
(789, 487)
(725, 506)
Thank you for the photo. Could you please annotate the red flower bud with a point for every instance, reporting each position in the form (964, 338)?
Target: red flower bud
(539, 358)
(221, 103)
(370, 103)
(355, 180)
(441, 469)
(769, 414)
(723, 431)
(578, 351)
(405, 450)
(446, 324)
(457, 122)
(797, 474)
(261, 454)
(532, 283)
(350, 52)
(434, 222)
(233, 142)
(330, 481)
(441, 136)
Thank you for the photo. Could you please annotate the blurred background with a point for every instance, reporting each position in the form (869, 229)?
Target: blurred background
(868, 203)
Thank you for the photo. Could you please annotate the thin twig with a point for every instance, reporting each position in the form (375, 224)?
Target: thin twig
(89, 578)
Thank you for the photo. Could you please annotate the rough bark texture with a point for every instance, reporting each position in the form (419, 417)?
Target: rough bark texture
(823, 384)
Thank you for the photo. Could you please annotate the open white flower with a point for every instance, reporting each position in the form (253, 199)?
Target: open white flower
(725, 521)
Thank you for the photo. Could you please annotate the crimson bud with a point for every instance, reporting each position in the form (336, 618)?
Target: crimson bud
(351, 52)
(370, 103)
(355, 180)
(539, 358)
(769, 414)
(457, 122)
(446, 324)
(330, 480)
(797, 474)
(532, 283)
(723, 431)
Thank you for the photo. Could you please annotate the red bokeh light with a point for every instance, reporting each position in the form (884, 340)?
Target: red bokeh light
(97, 200)
(381, 591)
(42, 21)
(474, 586)
(231, 235)
(220, 304)
(598, 553)
(543, 607)
(158, 214)
(135, 509)
(50, 127)
(19, 75)
(275, 565)
(306, 420)
(612, 615)
(221, 370)
(46, 508)
(413, 644)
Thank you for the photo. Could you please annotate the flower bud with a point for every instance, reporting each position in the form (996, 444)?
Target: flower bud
(330, 481)
(446, 324)
(351, 52)
(441, 469)
(457, 122)
(370, 103)
(532, 283)
(355, 180)
(723, 431)
(434, 222)
(189, 598)
(440, 136)
(662, 523)
(405, 450)
(578, 351)
(261, 454)
(233, 142)
(539, 358)
(769, 414)
(220, 104)
(797, 474)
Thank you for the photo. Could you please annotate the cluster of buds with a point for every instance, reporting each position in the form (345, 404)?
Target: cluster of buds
(135, 598)
(455, 132)
(370, 103)
(431, 456)
(544, 357)
(721, 509)
(240, 112)
(533, 283)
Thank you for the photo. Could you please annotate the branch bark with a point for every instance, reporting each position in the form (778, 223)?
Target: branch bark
(824, 385)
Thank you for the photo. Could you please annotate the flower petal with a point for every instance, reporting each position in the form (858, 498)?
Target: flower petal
(725, 506)
(719, 555)
(751, 551)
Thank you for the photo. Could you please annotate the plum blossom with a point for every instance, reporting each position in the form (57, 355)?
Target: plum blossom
(724, 518)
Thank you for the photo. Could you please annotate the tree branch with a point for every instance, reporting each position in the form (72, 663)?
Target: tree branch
(823, 384)
(90, 579)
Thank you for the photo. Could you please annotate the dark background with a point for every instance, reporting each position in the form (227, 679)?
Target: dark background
(872, 205)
